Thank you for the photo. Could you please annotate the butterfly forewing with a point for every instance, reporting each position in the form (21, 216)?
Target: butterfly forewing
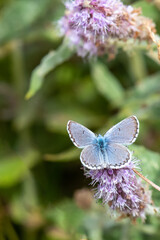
(118, 155)
(80, 135)
(92, 158)
(124, 132)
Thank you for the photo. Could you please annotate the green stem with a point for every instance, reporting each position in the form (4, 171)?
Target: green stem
(137, 66)
(131, 44)
(18, 71)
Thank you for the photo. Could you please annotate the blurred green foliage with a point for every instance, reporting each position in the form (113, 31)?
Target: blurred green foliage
(40, 170)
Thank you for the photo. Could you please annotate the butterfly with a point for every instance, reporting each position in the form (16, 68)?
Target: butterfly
(108, 151)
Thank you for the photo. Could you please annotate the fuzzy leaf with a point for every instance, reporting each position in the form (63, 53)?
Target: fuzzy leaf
(49, 62)
(14, 168)
(18, 16)
(107, 84)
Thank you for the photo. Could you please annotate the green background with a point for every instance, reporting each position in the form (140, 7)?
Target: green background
(41, 178)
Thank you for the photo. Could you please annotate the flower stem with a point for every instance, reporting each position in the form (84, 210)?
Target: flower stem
(147, 180)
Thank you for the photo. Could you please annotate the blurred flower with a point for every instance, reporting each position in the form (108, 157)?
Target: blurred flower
(83, 198)
(89, 23)
(121, 190)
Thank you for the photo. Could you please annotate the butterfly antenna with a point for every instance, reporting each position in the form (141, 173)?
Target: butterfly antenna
(146, 179)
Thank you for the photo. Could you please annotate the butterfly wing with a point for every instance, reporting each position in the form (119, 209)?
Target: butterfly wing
(80, 135)
(118, 155)
(92, 158)
(125, 132)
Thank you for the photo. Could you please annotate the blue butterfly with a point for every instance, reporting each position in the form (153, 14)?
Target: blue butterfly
(106, 151)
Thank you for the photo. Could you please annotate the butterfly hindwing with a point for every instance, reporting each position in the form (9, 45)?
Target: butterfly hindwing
(92, 158)
(124, 132)
(118, 155)
(80, 135)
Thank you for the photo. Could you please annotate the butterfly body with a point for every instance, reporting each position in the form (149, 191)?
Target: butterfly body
(108, 151)
(101, 142)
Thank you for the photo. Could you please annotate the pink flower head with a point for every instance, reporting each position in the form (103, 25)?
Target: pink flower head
(121, 190)
(92, 22)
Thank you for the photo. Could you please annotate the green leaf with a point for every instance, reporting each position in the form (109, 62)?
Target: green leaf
(154, 56)
(49, 62)
(150, 85)
(143, 100)
(18, 16)
(11, 170)
(27, 196)
(148, 9)
(143, 108)
(137, 66)
(14, 168)
(107, 84)
(66, 216)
